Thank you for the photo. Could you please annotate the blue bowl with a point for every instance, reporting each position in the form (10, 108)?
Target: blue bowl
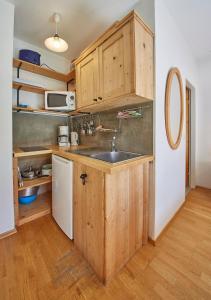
(27, 199)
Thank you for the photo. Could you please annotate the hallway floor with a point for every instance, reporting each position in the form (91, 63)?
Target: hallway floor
(39, 262)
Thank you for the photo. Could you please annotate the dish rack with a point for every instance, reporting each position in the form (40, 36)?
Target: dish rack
(137, 112)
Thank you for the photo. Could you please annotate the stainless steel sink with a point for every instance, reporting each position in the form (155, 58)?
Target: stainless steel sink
(102, 154)
(87, 151)
(114, 157)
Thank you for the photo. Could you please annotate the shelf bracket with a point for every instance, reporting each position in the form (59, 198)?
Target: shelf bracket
(18, 69)
(18, 95)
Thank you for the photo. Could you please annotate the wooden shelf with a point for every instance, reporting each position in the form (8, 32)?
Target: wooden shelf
(27, 109)
(39, 208)
(41, 111)
(35, 182)
(48, 112)
(28, 87)
(24, 65)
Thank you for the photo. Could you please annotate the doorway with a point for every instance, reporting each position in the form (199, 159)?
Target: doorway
(188, 138)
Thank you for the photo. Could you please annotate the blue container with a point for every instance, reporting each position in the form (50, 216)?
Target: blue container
(30, 56)
(27, 199)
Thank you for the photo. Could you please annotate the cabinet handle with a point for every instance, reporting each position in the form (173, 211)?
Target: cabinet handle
(83, 178)
(100, 98)
(95, 99)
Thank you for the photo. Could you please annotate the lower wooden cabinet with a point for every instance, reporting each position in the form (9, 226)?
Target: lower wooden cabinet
(110, 216)
(89, 224)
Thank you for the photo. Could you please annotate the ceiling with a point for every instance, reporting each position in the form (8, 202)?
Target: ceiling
(82, 20)
(194, 19)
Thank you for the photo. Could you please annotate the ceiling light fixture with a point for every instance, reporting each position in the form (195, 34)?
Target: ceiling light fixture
(55, 43)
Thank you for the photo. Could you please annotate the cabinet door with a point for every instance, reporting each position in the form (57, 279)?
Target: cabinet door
(115, 62)
(89, 216)
(87, 82)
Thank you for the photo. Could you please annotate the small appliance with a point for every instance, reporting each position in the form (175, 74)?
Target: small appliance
(74, 138)
(30, 56)
(63, 137)
(60, 100)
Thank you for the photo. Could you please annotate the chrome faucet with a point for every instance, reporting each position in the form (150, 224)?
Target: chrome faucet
(113, 144)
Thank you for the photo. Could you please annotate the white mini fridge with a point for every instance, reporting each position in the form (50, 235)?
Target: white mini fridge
(62, 194)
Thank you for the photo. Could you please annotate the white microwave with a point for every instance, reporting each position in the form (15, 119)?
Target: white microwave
(60, 100)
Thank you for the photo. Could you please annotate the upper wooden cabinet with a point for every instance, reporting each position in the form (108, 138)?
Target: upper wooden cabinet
(115, 64)
(118, 68)
(87, 80)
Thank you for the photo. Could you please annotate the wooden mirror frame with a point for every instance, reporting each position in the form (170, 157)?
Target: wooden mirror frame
(174, 71)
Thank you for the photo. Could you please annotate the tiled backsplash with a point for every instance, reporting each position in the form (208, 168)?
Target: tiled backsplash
(31, 130)
(136, 134)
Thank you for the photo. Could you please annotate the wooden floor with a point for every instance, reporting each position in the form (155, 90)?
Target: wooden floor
(39, 262)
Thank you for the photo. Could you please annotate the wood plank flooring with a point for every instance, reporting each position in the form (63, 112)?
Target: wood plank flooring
(40, 262)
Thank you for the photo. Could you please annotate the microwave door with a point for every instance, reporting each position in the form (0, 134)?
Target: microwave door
(56, 101)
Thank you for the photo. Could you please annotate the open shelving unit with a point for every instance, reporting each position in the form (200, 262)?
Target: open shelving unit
(42, 205)
(21, 64)
(67, 78)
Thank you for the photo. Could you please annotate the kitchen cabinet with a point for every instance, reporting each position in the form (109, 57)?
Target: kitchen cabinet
(110, 215)
(115, 64)
(88, 80)
(117, 69)
(89, 214)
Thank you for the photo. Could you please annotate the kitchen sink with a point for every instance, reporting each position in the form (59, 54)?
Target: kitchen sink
(114, 157)
(101, 154)
(87, 151)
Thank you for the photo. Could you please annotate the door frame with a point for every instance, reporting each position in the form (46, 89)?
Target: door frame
(188, 137)
(192, 150)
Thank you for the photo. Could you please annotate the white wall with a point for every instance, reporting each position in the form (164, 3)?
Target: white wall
(203, 166)
(171, 50)
(146, 10)
(6, 52)
(53, 60)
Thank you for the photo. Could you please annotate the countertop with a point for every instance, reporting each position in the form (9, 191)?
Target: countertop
(95, 163)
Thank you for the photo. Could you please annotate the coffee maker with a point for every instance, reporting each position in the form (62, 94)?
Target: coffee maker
(63, 136)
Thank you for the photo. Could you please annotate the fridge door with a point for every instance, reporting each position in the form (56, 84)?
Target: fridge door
(62, 194)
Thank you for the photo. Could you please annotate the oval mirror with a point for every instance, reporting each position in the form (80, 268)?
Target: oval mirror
(174, 110)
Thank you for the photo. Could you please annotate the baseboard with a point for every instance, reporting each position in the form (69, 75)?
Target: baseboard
(202, 187)
(153, 242)
(8, 233)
